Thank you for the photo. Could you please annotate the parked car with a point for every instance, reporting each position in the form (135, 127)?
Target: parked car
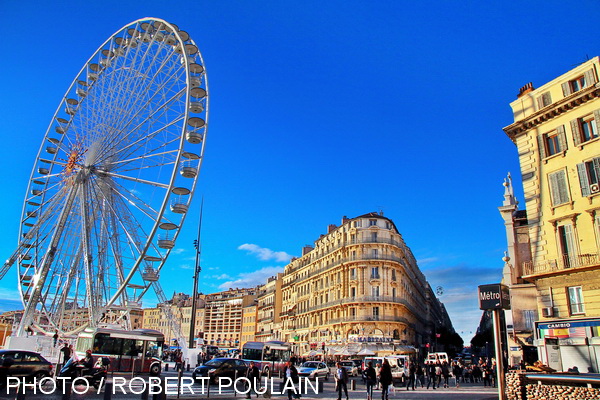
(314, 369)
(350, 368)
(221, 367)
(23, 363)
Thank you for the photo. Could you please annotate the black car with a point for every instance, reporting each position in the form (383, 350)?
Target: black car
(23, 363)
(221, 367)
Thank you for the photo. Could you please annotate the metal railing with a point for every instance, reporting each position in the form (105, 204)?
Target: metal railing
(563, 263)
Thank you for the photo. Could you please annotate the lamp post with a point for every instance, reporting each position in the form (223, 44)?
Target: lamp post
(197, 270)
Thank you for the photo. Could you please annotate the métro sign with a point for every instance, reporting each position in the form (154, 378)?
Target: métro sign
(494, 297)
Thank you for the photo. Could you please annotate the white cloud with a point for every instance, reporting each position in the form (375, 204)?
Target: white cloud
(178, 251)
(251, 279)
(219, 277)
(428, 260)
(264, 253)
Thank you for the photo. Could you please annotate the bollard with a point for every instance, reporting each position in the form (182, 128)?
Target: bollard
(146, 391)
(21, 392)
(188, 367)
(166, 366)
(179, 373)
(163, 390)
(108, 389)
(353, 384)
(66, 394)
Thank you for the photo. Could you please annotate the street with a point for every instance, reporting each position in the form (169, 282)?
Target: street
(133, 387)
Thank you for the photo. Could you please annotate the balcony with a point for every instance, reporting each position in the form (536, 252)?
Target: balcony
(565, 264)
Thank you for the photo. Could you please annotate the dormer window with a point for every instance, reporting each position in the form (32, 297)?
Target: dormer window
(588, 78)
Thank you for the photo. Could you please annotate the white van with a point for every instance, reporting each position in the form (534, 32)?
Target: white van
(440, 357)
(399, 364)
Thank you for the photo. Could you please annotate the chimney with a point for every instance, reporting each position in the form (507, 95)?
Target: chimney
(306, 249)
(525, 89)
(344, 219)
(331, 228)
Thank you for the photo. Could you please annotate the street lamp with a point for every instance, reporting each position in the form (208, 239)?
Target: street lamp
(197, 270)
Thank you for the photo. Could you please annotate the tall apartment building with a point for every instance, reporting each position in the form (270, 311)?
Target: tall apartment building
(268, 322)
(556, 131)
(222, 323)
(359, 288)
(249, 313)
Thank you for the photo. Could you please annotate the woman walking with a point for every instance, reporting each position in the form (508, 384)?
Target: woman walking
(370, 379)
(385, 379)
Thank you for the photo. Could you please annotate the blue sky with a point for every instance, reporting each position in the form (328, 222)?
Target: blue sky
(319, 110)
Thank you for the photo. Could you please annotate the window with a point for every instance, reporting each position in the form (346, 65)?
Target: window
(352, 238)
(394, 294)
(375, 273)
(375, 291)
(373, 236)
(589, 177)
(529, 319)
(544, 100)
(576, 300)
(553, 142)
(353, 292)
(375, 312)
(353, 312)
(559, 189)
(585, 128)
(372, 222)
(375, 253)
(353, 273)
(567, 243)
(582, 81)
(393, 274)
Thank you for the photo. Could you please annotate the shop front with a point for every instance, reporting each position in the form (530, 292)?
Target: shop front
(569, 344)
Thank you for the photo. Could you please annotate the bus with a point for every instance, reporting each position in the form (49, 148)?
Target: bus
(139, 350)
(269, 357)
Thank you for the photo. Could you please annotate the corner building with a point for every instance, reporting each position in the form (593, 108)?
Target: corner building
(359, 288)
(556, 131)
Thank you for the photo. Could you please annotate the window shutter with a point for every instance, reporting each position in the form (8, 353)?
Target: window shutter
(590, 77)
(583, 180)
(547, 99)
(576, 132)
(566, 88)
(542, 145)
(562, 187)
(597, 120)
(596, 163)
(554, 188)
(540, 102)
(562, 139)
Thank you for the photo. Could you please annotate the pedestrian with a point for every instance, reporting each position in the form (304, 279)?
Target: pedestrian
(445, 373)
(430, 374)
(370, 377)
(55, 337)
(385, 379)
(457, 371)
(438, 373)
(178, 360)
(412, 372)
(378, 371)
(253, 375)
(420, 375)
(66, 353)
(291, 373)
(341, 381)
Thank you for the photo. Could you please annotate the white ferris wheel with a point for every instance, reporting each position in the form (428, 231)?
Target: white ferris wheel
(113, 179)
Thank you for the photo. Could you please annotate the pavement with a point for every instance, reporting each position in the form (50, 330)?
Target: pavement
(125, 386)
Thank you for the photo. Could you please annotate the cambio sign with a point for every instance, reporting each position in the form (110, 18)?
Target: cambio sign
(494, 297)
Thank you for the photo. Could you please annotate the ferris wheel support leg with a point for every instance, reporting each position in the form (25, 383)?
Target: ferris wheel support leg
(88, 260)
(173, 322)
(29, 311)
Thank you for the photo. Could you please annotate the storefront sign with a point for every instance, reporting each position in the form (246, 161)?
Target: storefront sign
(494, 297)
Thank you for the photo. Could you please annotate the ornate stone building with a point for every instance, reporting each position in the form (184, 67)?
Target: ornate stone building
(556, 131)
(359, 288)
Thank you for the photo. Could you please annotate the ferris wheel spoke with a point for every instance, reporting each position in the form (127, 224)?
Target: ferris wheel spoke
(136, 104)
(145, 137)
(146, 156)
(138, 180)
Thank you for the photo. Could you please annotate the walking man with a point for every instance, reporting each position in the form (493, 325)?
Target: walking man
(341, 381)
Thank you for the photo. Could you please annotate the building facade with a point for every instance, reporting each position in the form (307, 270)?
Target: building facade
(268, 322)
(556, 131)
(359, 289)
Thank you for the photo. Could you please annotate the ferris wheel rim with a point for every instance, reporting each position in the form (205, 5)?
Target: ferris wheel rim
(169, 188)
